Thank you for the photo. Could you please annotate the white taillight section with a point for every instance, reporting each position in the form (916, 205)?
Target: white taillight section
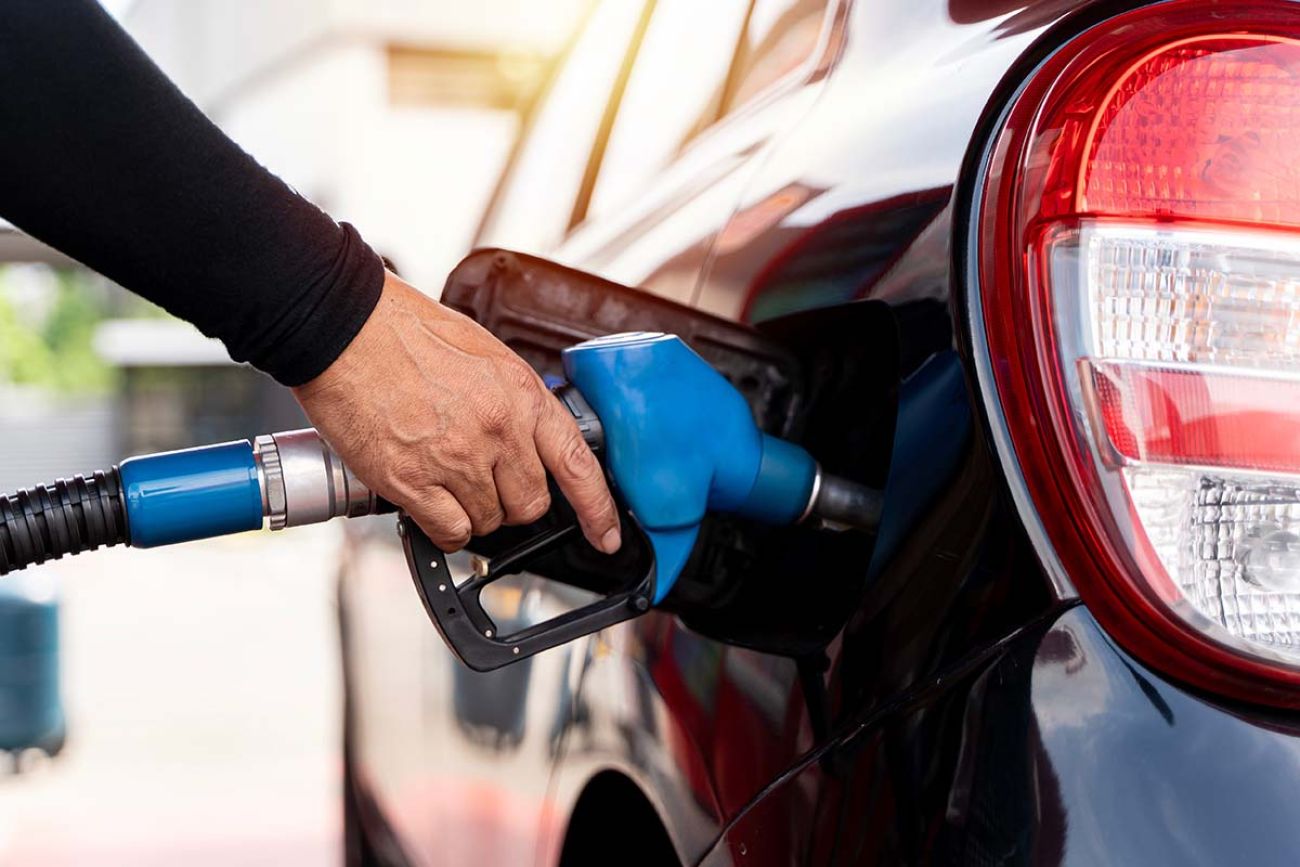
(1183, 351)
(1231, 547)
(1212, 297)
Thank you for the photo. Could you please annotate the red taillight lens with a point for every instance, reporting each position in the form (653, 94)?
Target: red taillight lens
(1139, 264)
(1181, 417)
(1204, 127)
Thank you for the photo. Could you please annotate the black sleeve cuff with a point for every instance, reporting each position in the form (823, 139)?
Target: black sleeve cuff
(329, 316)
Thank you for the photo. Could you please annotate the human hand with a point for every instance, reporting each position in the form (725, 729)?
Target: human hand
(436, 415)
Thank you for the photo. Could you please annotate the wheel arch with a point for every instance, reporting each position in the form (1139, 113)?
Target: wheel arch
(612, 803)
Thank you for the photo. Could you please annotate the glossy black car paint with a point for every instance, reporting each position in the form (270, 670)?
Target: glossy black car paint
(1053, 747)
(969, 710)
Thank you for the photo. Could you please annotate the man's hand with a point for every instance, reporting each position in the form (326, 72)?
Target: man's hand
(438, 416)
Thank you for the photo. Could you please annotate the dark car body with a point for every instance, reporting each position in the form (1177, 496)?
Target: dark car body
(967, 708)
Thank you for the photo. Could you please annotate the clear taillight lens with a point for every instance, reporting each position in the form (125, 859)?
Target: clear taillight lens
(1184, 350)
(1139, 262)
(1157, 294)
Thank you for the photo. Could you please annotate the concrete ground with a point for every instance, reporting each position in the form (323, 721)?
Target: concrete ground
(202, 690)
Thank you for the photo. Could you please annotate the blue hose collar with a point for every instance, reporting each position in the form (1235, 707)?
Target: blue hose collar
(191, 494)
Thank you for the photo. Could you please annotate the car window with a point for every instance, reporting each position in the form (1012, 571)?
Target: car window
(678, 78)
(780, 36)
(532, 210)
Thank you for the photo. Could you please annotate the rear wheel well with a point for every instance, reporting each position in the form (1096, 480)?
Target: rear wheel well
(612, 811)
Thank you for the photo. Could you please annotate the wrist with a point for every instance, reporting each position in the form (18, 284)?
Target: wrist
(371, 340)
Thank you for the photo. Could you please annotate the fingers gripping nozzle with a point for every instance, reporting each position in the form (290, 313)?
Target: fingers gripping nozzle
(678, 441)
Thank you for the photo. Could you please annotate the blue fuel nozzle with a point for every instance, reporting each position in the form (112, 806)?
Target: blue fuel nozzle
(678, 441)
(681, 441)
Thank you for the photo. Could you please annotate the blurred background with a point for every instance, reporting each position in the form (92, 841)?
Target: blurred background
(197, 719)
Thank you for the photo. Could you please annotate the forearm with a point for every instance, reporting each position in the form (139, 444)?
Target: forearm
(104, 159)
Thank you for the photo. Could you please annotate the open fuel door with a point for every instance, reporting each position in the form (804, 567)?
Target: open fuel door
(826, 379)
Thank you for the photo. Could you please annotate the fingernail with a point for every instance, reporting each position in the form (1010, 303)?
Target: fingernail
(611, 540)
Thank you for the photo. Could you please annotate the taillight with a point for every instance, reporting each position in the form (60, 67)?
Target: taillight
(1138, 245)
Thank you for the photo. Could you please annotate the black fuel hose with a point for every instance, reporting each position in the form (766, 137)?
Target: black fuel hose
(67, 517)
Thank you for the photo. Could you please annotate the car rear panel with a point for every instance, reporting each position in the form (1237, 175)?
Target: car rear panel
(1059, 748)
(970, 711)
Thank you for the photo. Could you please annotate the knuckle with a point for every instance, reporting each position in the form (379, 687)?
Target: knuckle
(488, 521)
(532, 509)
(604, 515)
(393, 463)
(455, 536)
(578, 461)
(513, 453)
(454, 452)
(470, 466)
(520, 375)
(430, 503)
(495, 417)
(407, 470)
(440, 517)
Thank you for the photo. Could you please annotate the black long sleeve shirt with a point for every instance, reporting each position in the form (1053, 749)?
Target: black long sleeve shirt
(103, 158)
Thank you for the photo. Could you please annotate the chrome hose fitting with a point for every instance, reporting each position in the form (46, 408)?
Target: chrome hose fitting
(812, 495)
(304, 482)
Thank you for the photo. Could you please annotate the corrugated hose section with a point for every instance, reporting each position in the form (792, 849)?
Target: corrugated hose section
(68, 517)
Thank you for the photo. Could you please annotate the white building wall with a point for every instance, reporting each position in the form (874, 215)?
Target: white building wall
(511, 24)
(211, 46)
(303, 86)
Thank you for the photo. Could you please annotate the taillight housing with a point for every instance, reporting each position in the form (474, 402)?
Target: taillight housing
(1137, 242)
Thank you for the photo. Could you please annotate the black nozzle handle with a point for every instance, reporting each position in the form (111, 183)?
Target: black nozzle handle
(593, 432)
(67, 517)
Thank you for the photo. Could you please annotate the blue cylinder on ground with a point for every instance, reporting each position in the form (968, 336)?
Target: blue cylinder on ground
(31, 711)
(191, 494)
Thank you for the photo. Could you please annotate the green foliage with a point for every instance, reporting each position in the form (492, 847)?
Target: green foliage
(24, 357)
(56, 352)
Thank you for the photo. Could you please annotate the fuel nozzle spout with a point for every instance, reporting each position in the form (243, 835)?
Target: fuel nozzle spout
(838, 503)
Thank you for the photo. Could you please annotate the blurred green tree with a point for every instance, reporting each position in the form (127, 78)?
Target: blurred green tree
(55, 350)
(24, 357)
